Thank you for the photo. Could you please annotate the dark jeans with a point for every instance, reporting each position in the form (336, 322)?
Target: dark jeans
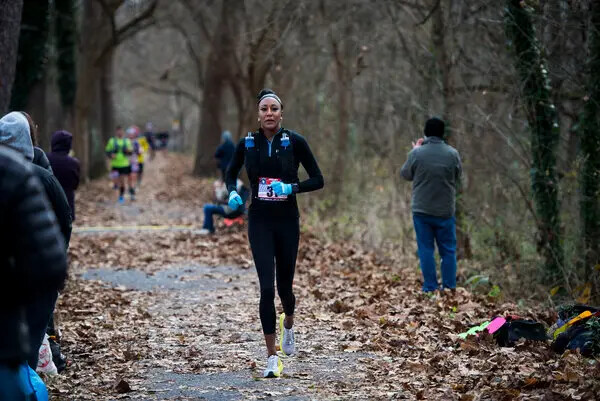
(274, 243)
(39, 313)
(443, 231)
(209, 211)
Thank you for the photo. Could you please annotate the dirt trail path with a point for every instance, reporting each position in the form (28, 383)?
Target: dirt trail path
(154, 311)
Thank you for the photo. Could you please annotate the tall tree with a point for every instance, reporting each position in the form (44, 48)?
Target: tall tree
(32, 57)
(590, 146)
(215, 79)
(445, 66)
(65, 28)
(545, 134)
(343, 25)
(10, 15)
(29, 89)
(266, 30)
(244, 42)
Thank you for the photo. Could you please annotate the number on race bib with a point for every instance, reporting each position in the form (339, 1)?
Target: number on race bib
(265, 191)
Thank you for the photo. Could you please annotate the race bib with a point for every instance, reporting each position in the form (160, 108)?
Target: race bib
(265, 192)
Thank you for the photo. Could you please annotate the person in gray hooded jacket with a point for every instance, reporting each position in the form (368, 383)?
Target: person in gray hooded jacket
(434, 167)
(14, 133)
(39, 156)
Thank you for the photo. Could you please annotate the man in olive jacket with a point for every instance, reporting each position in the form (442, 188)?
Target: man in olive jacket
(434, 168)
(32, 260)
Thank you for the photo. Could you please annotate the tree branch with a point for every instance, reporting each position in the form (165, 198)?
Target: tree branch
(199, 19)
(110, 14)
(128, 30)
(188, 43)
(435, 7)
(524, 194)
(133, 26)
(167, 91)
(396, 25)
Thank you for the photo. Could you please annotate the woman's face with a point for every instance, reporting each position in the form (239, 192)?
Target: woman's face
(269, 114)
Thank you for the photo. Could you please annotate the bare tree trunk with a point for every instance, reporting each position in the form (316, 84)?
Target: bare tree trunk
(10, 15)
(107, 104)
(215, 79)
(439, 32)
(590, 164)
(545, 135)
(36, 107)
(210, 113)
(94, 27)
(97, 141)
(344, 96)
(101, 117)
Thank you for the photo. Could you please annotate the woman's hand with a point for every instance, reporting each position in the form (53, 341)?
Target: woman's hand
(235, 200)
(279, 188)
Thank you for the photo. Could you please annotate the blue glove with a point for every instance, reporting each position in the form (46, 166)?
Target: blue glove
(279, 188)
(235, 200)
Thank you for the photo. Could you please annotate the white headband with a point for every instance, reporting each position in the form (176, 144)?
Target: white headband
(274, 96)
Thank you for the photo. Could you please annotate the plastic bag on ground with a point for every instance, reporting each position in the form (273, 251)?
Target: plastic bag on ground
(45, 363)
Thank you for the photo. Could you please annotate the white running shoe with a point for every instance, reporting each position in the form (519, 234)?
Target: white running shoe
(274, 367)
(287, 345)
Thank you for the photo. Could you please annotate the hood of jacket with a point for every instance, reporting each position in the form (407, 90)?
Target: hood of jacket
(61, 142)
(14, 133)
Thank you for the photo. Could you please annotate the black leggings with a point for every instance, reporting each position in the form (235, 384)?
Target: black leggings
(274, 243)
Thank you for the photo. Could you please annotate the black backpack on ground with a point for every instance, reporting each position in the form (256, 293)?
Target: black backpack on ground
(515, 329)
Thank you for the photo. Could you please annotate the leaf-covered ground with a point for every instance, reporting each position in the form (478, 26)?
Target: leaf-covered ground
(163, 313)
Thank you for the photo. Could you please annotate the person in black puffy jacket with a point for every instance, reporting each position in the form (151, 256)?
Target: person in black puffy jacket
(14, 133)
(32, 261)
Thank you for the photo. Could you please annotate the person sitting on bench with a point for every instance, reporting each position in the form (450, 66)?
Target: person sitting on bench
(221, 208)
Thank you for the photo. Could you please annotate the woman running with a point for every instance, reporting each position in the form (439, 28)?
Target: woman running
(272, 156)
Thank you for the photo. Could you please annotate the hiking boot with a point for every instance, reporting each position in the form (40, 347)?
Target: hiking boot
(287, 345)
(274, 367)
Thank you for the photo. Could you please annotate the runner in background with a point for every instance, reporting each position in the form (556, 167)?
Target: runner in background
(149, 135)
(142, 157)
(134, 160)
(117, 149)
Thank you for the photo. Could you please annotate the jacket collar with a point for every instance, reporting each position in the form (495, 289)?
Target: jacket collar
(432, 139)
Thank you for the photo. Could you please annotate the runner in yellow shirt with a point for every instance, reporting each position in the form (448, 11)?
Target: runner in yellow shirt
(143, 152)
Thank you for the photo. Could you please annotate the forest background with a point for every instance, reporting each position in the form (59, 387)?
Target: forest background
(518, 83)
